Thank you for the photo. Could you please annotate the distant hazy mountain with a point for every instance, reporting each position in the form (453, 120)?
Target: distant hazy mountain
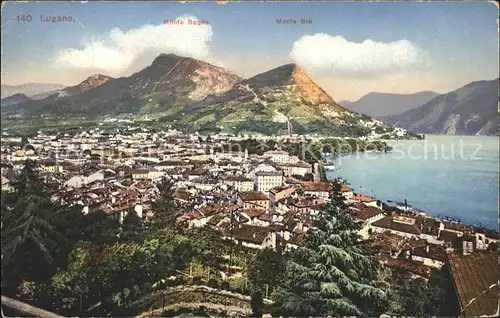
(29, 89)
(344, 103)
(14, 99)
(45, 94)
(469, 110)
(384, 104)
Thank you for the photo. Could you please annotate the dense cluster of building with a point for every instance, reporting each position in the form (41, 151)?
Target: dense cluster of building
(258, 201)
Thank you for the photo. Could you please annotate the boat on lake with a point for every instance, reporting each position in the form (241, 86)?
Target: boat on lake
(403, 206)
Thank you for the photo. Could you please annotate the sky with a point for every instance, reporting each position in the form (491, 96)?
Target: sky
(348, 48)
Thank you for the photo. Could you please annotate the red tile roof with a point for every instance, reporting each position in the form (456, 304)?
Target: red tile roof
(362, 198)
(387, 243)
(248, 233)
(209, 210)
(316, 186)
(117, 208)
(279, 189)
(266, 217)
(345, 189)
(364, 212)
(253, 196)
(431, 251)
(296, 164)
(252, 213)
(410, 265)
(302, 202)
(457, 227)
(472, 276)
(291, 180)
(182, 194)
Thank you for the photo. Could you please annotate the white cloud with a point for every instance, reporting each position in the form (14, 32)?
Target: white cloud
(326, 52)
(118, 50)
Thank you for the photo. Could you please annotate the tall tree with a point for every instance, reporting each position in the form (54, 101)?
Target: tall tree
(257, 304)
(207, 246)
(33, 229)
(334, 272)
(29, 182)
(132, 226)
(99, 227)
(440, 295)
(164, 207)
(24, 141)
(266, 268)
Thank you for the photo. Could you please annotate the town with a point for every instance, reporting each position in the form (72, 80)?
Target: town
(257, 201)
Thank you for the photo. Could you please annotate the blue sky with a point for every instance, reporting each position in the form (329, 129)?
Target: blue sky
(445, 45)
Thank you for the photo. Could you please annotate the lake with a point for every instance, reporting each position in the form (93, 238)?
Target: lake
(456, 176)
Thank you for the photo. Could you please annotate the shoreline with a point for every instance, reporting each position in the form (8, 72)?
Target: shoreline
(456, 189)
(416, 211)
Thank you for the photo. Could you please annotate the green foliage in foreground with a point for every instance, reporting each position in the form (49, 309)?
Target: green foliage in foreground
(60, 260)
(37, 230)
(334, 272)
(419, 297)
(265, 271)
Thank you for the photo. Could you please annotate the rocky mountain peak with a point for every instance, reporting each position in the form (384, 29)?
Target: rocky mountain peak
(165, 58)
(89, 83)
(303, 83)
(293, 77)
(198, 78)
(95, 80)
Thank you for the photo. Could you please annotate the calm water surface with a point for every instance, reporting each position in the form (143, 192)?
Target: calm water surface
(456, 176)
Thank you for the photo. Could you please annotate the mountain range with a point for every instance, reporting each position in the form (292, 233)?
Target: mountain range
(378, 105)
(193, 95)
(169, 80)
(32, 90)
(469, 110)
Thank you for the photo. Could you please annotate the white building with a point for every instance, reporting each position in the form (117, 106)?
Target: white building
(266, 180)
(78, 181)
(277, 156)
(240, 183)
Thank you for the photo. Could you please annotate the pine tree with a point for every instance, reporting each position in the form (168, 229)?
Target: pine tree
(266, 268)
(33, 228)
(132, 226)
(333, 273)
(24, 141)
(164, 208)
(257, 304)
(29, 182)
